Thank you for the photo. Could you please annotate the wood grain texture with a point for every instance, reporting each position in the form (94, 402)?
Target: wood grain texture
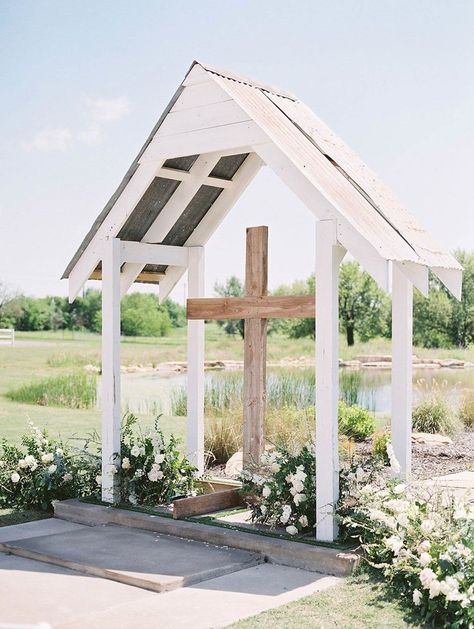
(207, 503)
(267, 307)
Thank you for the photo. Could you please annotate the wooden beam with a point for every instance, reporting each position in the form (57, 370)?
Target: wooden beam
(276, 307)
(328, 257)
(147, 253)
(152, 278)
(111, 413)
(184, 175)
(402, 368)
(255, 347)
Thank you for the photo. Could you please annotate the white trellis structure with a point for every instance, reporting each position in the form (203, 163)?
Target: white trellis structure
(215, 135)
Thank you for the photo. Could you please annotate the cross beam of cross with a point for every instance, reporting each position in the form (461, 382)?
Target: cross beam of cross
(255, 307)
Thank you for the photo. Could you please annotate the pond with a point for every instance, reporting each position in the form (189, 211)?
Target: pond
(151, 394)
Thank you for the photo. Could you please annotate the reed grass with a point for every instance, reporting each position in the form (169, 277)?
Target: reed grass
(75, 390)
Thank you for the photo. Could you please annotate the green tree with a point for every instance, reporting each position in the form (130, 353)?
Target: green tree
(176, 313)
(297, 328)
(142, 315)
(461, 325)
(232, 287)
(363, 306)
(431, 317)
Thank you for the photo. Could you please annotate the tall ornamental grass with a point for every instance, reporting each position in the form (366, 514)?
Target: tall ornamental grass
(76, 390)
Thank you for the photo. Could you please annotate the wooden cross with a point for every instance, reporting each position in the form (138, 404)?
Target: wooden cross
(255, 308)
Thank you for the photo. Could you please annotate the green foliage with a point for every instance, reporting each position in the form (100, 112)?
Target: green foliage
(297, 328)
(461, 327)
(142, 315)
(380, 441)
(283, 489)
(152, 471)
(350, 385)
(355, 422)
(434, 415)
(232, 287)
(431, 317)
(423, 545)
(466, 410)
(76, 390)
(43, 469)
(363, 306)
(176, 313)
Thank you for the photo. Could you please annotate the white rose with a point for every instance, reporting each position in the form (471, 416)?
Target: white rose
(2, 464)
(159, 458)
(427, 526)
(22, 464)
(263, 509)
(132, 499)
(303, 521)
(399, 489)
(435, 588)
(31, 461)
(47, 458)
(423, 547)
(417, 596)
(59, 451)
(266, 491)
(52, 469)
(394, 543)
(98, 479)
(298, 485)
(275, 467)
(125, 463)
(15, 477)
(291, 530)
(299, 498)
(67, 477)
(425, 559)
(135, 451)
(426, 577)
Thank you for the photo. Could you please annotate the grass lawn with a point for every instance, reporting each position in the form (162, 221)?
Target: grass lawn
(11, 516)
(357, 603)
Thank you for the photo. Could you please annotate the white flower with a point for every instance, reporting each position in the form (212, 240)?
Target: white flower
(139, 473)
(59, 451)
(426, 577)
(394, 464)
(159, 458)
(286, 513)
(52, 468)
(125, 463)
(300, 473)
(263, 509)
(47, 458)
(394, 543)
(275, 467)
(361, 475)
(155, 474)
(417, 596)
(303, 520)
(427, 526)
(22, 464)
(435, 588)
(266, 491)
(98, 479)
(423, 547)
(399, 489)
(15, 477)
(67, 477)
(2, 464)
(298, 485)
(450, 588)
(291, 530)
(403, 520)
(425, 559)
(132, 499)
(135, 451)
(397, 505)
(299, 498)
(31, 461)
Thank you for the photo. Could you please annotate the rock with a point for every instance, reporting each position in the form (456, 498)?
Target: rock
(235, 464)
(429, 439)
(91, 368)
(375, 359)
(377, 365)
(353, 364)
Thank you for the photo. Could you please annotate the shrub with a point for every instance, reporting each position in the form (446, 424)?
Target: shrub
(355, 422)
(142, 315)
(380, 441)
(42, 470)
(422, 544)
(223, 437)
(151, 471)
(466, 410)
(433, 415)
(283, 489)
(76, 390)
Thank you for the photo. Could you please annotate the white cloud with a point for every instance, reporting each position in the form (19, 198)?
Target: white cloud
(98, 112)
(50, 140)
(108, 109)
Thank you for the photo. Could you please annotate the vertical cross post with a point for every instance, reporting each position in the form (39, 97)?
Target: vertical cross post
(402, 367)
(110, 368)
(329, 255)
(195, 425)
(255, 347)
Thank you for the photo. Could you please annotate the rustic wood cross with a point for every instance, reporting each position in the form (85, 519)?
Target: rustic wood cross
(255, 308)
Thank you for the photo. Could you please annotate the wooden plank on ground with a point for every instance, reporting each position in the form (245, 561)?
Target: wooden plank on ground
(207, 503)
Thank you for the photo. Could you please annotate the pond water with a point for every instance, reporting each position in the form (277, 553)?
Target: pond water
(151, 394)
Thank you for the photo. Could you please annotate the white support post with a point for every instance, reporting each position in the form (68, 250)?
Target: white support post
(402, 367)
(329, 255)
(111, 413)
(195, 427)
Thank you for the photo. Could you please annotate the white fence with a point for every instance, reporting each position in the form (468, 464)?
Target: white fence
(7, 336)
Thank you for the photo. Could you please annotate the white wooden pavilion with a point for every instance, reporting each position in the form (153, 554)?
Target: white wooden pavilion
(217, 132)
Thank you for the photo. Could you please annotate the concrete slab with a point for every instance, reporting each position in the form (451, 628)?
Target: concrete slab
(34, 592)
(144, 559)
(50, 526)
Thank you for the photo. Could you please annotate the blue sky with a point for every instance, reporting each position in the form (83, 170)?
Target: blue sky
(82, 83)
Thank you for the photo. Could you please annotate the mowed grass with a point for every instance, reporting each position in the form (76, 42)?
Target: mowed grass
(358, 603)
(40, 355)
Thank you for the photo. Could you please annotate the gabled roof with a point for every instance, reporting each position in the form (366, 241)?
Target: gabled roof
(208, 145)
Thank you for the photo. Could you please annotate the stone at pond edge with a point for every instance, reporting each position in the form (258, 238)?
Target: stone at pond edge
(234, 465)
(429, 439)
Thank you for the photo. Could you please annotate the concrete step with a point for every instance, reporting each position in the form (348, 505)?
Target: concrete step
(312, 557)
(144, 559)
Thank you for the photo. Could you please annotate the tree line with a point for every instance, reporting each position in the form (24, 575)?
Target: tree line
(364, 310)
(439, 320)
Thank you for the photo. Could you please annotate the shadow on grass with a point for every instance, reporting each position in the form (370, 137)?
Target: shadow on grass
(8, 517)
